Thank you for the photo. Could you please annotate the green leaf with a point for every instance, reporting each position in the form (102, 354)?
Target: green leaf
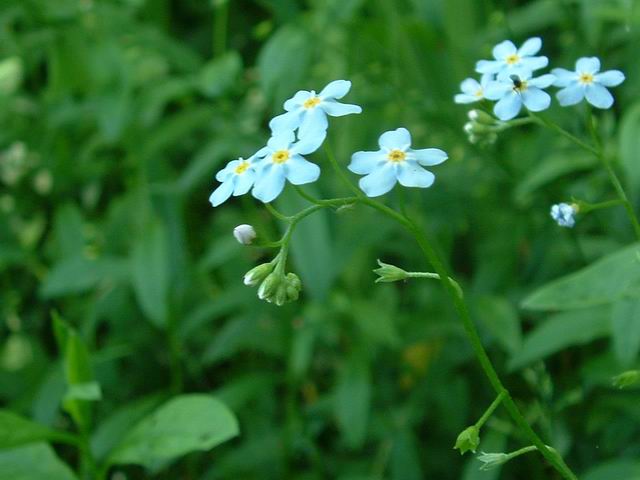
(16, 430)
(625, 329)
(150, 273)
(89, 391)
(220, 74)
(629, 146)
(604, 281)
(33, 462)
(75, 275)
(352, 401)
(501, 320)
(560, 331)
(184, 424)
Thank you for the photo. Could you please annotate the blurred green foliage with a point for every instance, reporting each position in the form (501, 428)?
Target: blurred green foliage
(115, 114)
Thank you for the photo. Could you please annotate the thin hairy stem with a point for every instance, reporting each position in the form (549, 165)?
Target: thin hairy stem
(485, 416)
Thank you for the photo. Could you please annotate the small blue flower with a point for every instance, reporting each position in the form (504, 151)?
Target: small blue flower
(237, 178)
(508, 57)
(472, 90)
(563, 214)
(395, 162)
(308, 111)
(586, 82)
(512, 90)
(282, 159)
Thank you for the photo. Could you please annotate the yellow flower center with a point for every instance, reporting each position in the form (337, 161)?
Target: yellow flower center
(280, 156)
(243, 167)
(311, 102)
(479, 93)
(396, 156)
(512, 59)
(585, 78)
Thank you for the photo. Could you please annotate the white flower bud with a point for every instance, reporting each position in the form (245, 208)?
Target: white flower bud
(245, 234)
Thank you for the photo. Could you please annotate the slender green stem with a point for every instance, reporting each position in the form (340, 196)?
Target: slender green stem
(276, 213)
(546, 123)
(435, 276)
(584, 207)
(220, 27)
(343, 176)
(305, 195)
(613, 178)
(175, 353)
(485, 416)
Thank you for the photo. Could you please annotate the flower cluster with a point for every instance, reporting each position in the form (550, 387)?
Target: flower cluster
(509, 80)
(298, 132)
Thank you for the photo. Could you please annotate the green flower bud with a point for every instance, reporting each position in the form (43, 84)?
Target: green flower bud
(468, 440)
(269, 286)
(10, 75)
(257, 274)
(479, 116)
(626, 379)
(389, 273)
(478, 128)
(293, 285)
(492, 460)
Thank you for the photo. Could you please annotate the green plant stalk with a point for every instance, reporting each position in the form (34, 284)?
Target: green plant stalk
(435, 276)
(489, 411)
(220, 27)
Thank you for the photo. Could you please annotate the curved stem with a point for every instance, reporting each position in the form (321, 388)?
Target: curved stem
(556, 128)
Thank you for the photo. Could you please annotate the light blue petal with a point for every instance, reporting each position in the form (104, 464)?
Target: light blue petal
(244, 182)
(489, 66)
(503, 49)
(378, 182)
(522, 72)
(610, 78)
(543, 81)
(336, 109)
(286, 121)
(508, 106)
(464, 98)
(598, 96)
(399, 138)
(411, 174)
(336, 89)
(588, 65)
(297, 100)
(486, 79)
(364, 163)
(530, 47)
(534, 63)
(300, 171)
(497, 90)
(429, 156)
(221, 193)
(314, 122)
(270, 184)
(564, 77)
(570, 95)
(470, 86)
(227, 171)
(309, 143)
(535, 99)
(281, 140)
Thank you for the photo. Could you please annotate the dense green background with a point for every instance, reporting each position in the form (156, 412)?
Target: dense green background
(115, 116)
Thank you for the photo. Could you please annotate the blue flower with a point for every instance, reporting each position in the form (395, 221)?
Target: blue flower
(282, 159)
(563, 214)
(395, 162)
(472, 91)
(308, 111)
(508, 57)
(513, 90)
(237, 178)
(586, 82)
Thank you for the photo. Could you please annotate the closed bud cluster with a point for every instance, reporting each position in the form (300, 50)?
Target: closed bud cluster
(389, 273)
(481, 128)
(626, 379)
(256, 275)
(468, 440)
(279, 288)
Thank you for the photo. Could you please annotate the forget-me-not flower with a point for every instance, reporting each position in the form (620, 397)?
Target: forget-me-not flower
(563, 214)
(472, 90)
(237, 178)
(282, 159)
(508, 57)
(308, 111)
(585, 81)
(395, 162)
(512, 90)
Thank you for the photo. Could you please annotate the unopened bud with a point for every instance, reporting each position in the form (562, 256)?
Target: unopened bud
(269, 286)
(626, 379)
(245, 234)
(479, 116)
(468, 440)
(389, 273)
(257, 274)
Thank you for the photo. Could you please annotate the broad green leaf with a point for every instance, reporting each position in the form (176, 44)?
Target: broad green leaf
(33, 462)
(625, 329)
(89, 391)
(220, 74)
(500, 319)
(602, 282)
(184, 424)
(629, 146)
(352, 400)
(16, 430)
(560, 331)
(74, 275)
(150, 273)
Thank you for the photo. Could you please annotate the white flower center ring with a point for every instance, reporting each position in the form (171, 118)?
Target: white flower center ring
(396, 156)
